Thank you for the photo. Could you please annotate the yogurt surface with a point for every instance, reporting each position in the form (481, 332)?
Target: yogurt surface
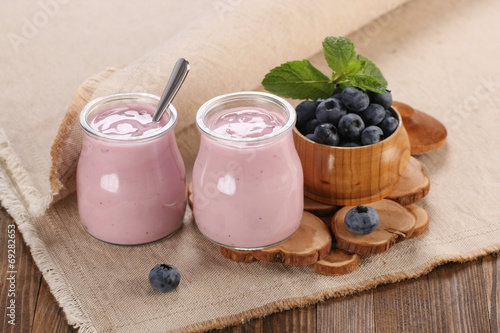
(126, 121)
(242, 123)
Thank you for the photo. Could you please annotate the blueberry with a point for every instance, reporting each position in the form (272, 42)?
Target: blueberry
(164, 278)
(384, 99)
(389, 125)
(349, 144)
(337, 93)
(371, 134)
(351, 126)
(362, 220)
(337, 90)
(311, 125)
(312, 137)
(330, 111)
(337, 96)
(323, 131)
(355, 99)
(333, 139)
(305, 112)
(373, 115)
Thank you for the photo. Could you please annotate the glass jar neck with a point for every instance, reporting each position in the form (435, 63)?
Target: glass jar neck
(215, 108)
(93, 108)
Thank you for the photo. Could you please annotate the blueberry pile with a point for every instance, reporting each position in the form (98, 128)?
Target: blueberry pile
(362, 220)
(164, 278)
(349, 118)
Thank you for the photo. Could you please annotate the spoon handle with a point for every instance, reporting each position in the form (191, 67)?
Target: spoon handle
(177, 77)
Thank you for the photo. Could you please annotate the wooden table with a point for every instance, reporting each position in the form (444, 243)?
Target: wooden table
(451, 298)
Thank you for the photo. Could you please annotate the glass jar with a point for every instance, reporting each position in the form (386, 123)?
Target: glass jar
(247, 192)
(130, 189)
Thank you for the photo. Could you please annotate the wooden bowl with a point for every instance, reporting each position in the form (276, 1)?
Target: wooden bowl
(353, 176)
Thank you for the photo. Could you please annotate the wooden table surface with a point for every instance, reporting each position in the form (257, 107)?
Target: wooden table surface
(452, 298)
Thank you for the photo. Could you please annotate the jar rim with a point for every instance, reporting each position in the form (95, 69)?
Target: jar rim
(87, 109)
(248, 95)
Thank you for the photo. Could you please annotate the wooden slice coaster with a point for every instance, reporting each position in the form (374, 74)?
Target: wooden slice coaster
(338, 262)
(237, 255)
(413, 186)
(425, 132)
(396, 224)
(318, 208)
(422, 220)
(310, 243)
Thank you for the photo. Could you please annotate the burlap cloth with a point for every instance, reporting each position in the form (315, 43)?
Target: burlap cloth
(439, 56)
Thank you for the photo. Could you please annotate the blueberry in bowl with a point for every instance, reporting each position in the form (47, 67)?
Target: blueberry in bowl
(350, 111)
(358, 160)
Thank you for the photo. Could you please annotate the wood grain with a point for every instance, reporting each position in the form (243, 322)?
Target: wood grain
(237, 255)
(425, 132)
(26, 276)
(319, 208)
(310, 243)
(421, 220)
(451, 298)
(337, 262)
(491, 272)
(413, 186)
(405, 110)
(49, 312)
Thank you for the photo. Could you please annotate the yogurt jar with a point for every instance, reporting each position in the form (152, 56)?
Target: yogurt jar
(247, 178)
(131, 180)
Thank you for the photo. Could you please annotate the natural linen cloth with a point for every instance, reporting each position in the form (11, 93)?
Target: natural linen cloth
(438, 56)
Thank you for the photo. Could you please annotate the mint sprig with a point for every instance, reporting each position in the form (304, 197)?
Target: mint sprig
(301, 80)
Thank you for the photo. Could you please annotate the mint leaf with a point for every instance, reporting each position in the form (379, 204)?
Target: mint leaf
(371, 70)
(362, 81)
(339, 53)
(353, 68)
(298, 80)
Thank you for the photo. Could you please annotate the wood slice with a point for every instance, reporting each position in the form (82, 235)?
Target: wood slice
(413, 186)
(310, 243)
(422, 220)
(338, 262)
(396, 224)
(404, 109)
(237, 255)
(319, 208)
(425, 132)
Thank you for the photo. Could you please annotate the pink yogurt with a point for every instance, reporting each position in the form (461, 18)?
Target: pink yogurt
(131, 179)
(247, 178)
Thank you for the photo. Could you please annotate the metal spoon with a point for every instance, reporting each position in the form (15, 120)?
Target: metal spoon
(177, 77)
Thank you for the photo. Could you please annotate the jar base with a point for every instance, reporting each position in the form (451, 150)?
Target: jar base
(239, 248)
(137, 244)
